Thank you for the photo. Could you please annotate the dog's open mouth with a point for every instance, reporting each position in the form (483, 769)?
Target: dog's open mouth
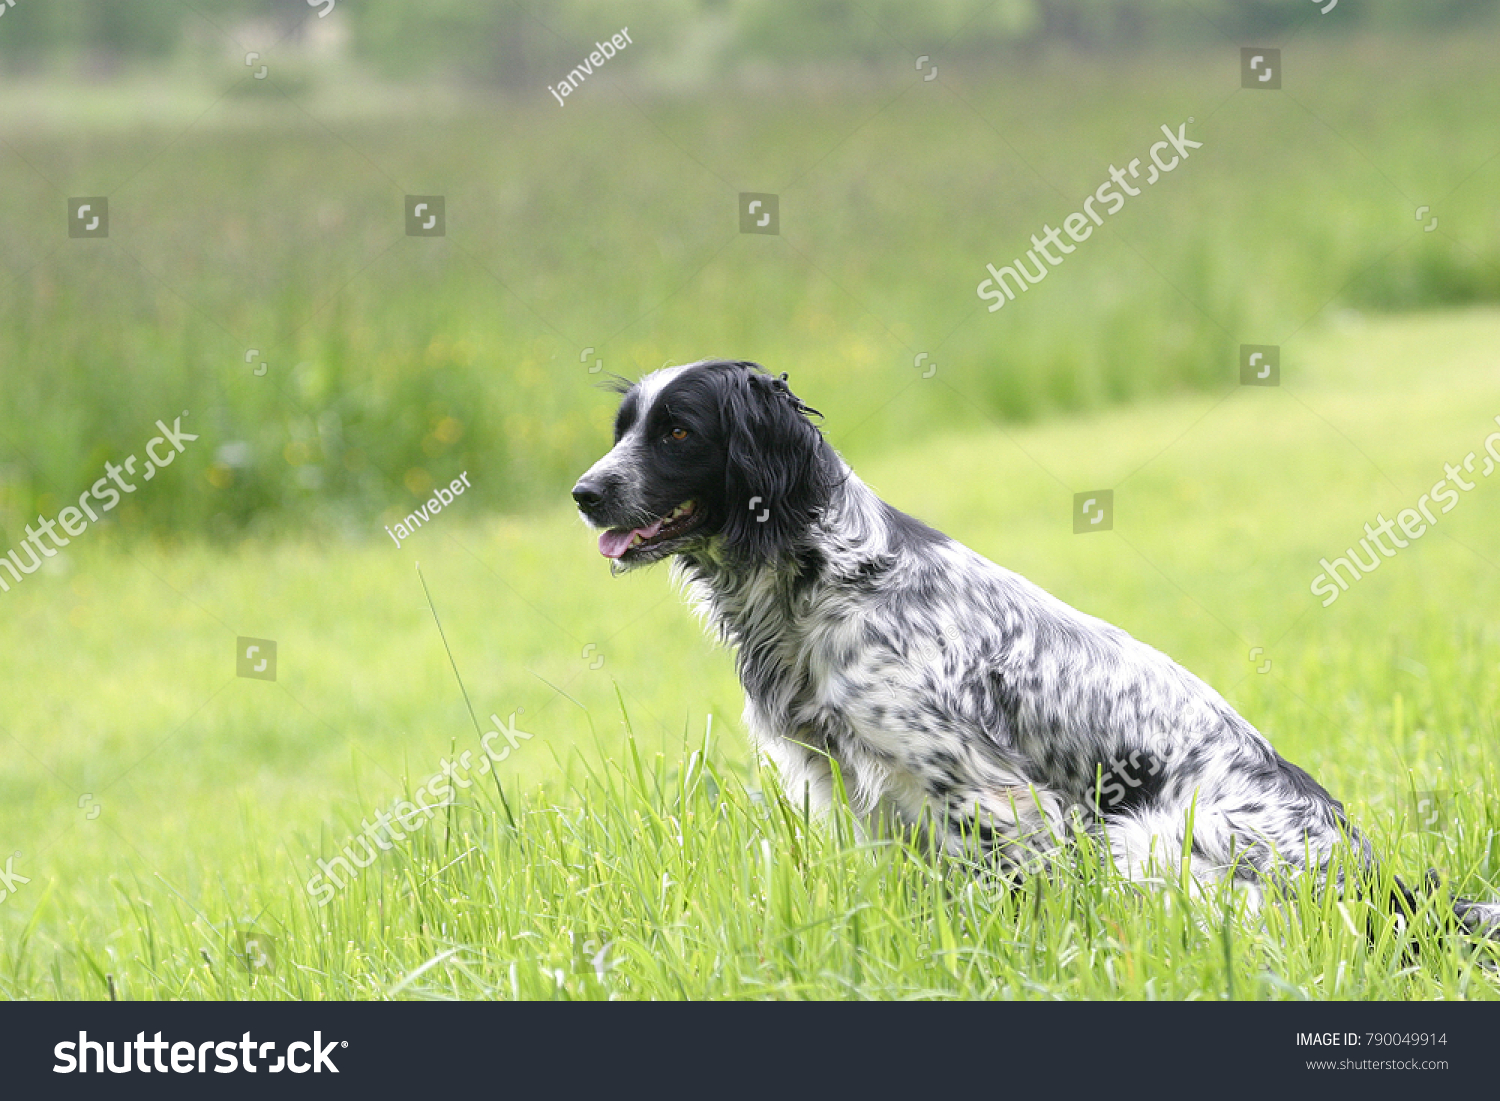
(618, 541)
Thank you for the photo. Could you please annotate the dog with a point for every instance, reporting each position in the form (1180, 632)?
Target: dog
(940, 692)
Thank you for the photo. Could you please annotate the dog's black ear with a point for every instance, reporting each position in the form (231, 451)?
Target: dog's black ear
(778, 469)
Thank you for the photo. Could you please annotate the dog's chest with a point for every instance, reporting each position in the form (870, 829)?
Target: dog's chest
(852, 680)
(838, 683)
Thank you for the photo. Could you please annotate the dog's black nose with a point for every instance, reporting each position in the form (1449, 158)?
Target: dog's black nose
(588, 494)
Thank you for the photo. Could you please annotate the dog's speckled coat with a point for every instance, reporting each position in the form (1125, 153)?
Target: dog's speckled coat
(953, 694)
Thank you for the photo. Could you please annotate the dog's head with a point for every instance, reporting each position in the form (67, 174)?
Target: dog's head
(715, 459)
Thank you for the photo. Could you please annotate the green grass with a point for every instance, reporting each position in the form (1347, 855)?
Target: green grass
(273, 222)
(218, 793)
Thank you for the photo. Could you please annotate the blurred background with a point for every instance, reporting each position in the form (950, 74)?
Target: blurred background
(266, 214)
(259, 281)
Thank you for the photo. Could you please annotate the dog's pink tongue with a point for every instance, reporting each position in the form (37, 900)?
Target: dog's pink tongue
(616, 542)
(612, 544)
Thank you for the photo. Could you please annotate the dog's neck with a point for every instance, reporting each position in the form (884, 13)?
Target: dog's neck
(744, 601)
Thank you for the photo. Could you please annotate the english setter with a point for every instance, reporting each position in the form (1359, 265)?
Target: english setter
(955, 697)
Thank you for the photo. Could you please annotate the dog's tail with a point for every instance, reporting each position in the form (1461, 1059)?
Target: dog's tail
(1481, 919)
(1477, 919)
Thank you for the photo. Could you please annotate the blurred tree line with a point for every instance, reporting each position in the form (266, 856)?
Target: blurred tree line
(512, 44)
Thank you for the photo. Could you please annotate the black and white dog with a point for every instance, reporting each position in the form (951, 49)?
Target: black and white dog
(954, 696)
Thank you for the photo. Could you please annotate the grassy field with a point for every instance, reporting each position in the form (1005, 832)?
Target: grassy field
(267, 216)
(162, 819)
(661, 865)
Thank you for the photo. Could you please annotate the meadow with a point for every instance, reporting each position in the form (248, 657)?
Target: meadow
(166, 815)
(641, 829)
(266, 217)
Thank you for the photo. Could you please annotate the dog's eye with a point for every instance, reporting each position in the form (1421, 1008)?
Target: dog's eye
(679, 434)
